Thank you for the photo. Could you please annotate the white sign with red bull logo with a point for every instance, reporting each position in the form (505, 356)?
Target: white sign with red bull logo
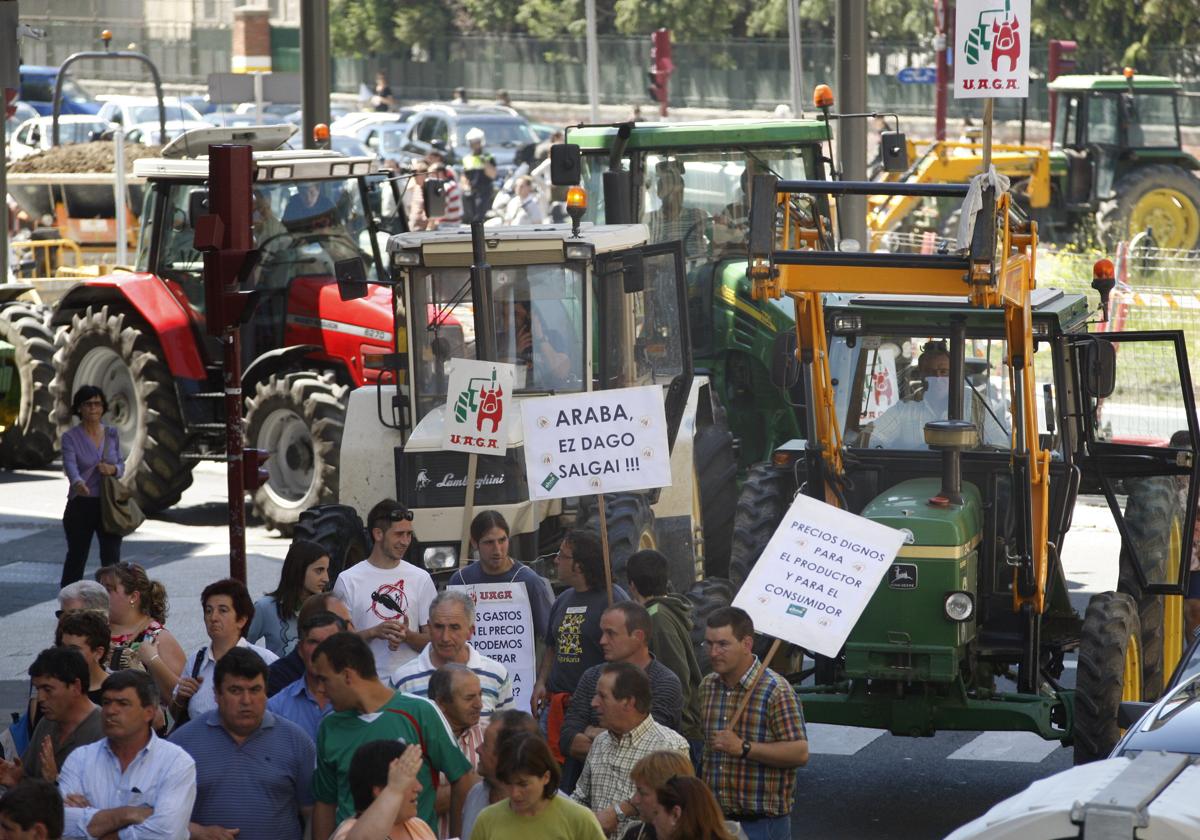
(991, 50)
(478, 406)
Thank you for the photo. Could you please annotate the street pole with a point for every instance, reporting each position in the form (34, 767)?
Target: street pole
(795, 74)
(852, 93)
(120, 195)
(593, 61)
(943, 14)
(314, 67)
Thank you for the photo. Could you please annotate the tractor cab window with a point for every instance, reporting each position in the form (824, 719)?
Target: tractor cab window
(1066, 119)
(889, 386)
(1102, 120)
(537, 316)
(1151, 121)
(178, 263)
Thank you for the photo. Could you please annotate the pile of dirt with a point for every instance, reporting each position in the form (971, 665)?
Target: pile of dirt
(82, 157)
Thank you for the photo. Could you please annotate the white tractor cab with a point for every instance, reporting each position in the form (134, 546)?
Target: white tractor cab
(605, 310)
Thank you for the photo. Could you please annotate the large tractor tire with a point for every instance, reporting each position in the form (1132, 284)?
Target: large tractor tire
(765, 497)
(1161, 198)
(630, 527)
(707, 596)
(125, 362)
(1110, 671)
(1154, 520)
(27, 412)
(716, 472)
(298, 418)
(340, 529)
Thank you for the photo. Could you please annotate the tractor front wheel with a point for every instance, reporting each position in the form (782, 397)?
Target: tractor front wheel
(28, 435)
(99, 348)
(630, 526)
(1161, 198)
(766, 494)
(298, 419)
(340, 530)
(716, 475)
(1110, 670)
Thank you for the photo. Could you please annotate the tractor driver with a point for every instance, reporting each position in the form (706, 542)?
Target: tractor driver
(309, 209)
(903, 425)
(540, 349)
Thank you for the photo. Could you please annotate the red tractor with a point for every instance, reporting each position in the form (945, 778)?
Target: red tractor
(141, 336)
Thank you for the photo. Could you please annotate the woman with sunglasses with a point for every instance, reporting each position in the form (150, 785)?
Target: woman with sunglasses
(305, 572)
(687, 810)
(90, 452)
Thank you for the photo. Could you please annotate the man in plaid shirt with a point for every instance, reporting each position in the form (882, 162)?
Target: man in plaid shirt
(751, 767)
(630, 734)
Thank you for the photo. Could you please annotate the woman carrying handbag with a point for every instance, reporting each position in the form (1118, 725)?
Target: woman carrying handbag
(90, 451)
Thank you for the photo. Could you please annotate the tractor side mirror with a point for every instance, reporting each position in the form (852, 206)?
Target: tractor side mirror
(351, 278)
(1099, 366)
(633, 274)
(197, 206)
(565, 164)
(785, 367)
(893, 149)
(434, 192)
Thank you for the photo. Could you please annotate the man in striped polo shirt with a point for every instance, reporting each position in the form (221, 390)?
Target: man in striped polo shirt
(451, 625)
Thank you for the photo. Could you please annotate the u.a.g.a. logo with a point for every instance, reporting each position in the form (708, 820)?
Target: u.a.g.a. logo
(992, 57)
(479, 396)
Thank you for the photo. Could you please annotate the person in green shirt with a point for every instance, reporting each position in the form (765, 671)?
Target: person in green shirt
(533, 808)
(367, 710)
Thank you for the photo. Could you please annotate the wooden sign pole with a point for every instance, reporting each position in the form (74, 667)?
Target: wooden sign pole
(468, 510)
(737, 715)
(604, 548)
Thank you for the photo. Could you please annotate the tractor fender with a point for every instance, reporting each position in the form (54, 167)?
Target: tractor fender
(284, 358)
(161, 311)
(346, 330)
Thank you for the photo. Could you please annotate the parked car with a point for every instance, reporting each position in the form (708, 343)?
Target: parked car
(130, 111)
(507, 132)
(37, 88)
(1173, 721)
(22, 111)
(340, 143)
(35, 135)
(150, 133)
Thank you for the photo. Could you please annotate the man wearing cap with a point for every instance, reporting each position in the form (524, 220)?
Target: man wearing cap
(478, 178)
(438, 170)
(388, 597)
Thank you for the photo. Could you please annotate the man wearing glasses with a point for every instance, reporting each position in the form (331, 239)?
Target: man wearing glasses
(389, 598)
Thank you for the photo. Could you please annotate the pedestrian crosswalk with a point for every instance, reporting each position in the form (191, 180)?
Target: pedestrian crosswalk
(1021, 747)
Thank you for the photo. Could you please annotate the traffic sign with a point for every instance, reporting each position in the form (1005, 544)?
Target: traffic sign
(917, 76)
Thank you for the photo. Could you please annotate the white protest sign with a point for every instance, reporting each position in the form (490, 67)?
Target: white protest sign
(817, 574)
(475, 401)
(991, 53)
(602, 442)
(504, 632)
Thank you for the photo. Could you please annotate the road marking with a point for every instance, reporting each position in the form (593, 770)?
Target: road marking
(831, 739)
(15, 531)
(1023, 747)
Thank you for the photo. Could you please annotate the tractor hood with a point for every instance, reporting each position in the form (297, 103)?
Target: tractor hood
(347, 329)
(906, 506)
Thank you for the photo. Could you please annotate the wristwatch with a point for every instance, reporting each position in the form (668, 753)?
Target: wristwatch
(745, 748)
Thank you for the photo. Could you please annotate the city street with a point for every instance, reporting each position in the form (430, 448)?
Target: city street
(858, 784)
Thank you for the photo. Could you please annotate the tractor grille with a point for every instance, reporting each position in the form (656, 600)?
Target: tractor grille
(439, 479)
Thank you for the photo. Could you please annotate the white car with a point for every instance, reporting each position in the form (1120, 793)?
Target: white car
(150, 133)
(36, 135)
(130, 111)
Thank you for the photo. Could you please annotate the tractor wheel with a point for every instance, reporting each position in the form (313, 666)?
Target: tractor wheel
(1154, 521)
(716, 472)
(1161, 198)
(340, 530)
(1110, 670)
(707, 596)
(126, 364)
(630, 527)
(766, 494)
(27, 411)
(297, 418)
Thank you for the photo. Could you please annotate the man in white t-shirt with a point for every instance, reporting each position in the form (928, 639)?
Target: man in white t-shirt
(388, 597)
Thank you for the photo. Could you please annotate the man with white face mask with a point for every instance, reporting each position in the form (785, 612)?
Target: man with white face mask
(903, 425)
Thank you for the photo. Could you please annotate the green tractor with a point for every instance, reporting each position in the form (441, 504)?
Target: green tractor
(969, 412)
(1117, 155)
(689, 181)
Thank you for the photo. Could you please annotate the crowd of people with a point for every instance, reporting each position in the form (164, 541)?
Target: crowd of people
(361, 708)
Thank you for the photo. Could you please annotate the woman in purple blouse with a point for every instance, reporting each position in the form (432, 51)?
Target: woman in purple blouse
(90, 450)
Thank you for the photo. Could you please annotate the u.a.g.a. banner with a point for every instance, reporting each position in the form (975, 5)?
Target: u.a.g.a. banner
(476, 398)
(991, 50)
(598, 442)
(816, 575)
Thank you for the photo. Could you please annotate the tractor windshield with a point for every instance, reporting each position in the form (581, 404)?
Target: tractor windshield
(699, 197)
(889, 386)
(1152, 121)
(537, 315)
(299, 228)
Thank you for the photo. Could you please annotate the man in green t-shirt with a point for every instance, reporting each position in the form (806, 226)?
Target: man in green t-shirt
(368, 710)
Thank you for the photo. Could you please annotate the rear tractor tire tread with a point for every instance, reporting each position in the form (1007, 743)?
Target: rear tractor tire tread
(33, 437)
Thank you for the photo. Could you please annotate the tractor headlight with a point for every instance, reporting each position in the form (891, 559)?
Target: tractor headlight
(440, 557)
(578, 251)
(960, 606)
(847, 324)
(406, 258)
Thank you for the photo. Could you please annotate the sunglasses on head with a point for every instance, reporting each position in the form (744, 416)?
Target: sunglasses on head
(400, 515)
